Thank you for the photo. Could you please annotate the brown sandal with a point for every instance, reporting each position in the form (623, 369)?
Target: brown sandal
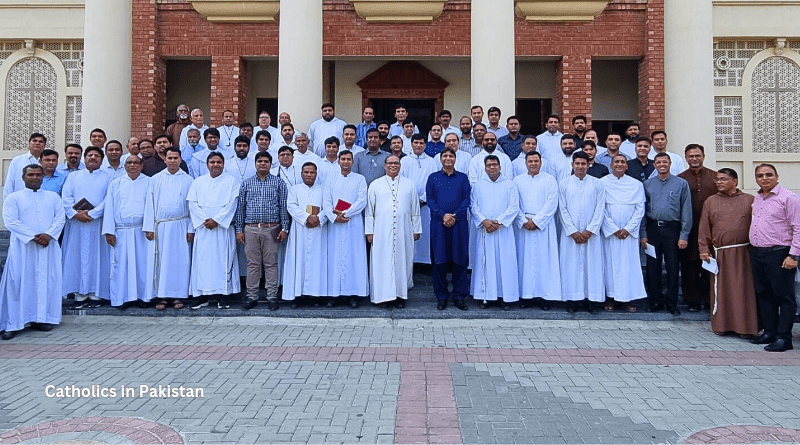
(629, 307)
(177, 304)
(609, 306)
(161, 305)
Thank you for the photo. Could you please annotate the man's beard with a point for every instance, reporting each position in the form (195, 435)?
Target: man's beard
(633, 137)
(383, 135)
(327, 118)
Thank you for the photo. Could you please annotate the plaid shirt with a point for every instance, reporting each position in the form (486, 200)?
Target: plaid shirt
(262, 202)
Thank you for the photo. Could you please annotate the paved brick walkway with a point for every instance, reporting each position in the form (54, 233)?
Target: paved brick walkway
(394, 381)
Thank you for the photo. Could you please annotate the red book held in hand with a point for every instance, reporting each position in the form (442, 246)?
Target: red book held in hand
(342, 205)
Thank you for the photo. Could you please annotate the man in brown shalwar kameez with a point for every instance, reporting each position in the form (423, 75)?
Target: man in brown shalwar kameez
(724, 233)
(694, 279)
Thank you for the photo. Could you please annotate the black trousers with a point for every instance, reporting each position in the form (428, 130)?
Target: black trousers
(460, 281)
(665, 240)
(774, 290)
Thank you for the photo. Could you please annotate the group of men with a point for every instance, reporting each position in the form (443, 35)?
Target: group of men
(556, 217)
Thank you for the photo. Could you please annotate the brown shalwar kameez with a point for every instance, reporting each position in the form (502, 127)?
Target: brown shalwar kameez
(724, 233)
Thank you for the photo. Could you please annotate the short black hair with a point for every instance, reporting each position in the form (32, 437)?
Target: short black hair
(93, 148)
(214, 154)
(335, 140)
(417, 137)
(263, 133)
(579, 117)
(491, 158)
(38, 135)
(284, 149)
(263, 154)
(48, 152)
(211, 131)
(241, 138)
(580, 155)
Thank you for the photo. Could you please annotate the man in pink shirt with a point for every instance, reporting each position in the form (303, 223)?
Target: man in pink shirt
(775, 237)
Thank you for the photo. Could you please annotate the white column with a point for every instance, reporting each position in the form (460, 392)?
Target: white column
(689, 75)
(300, 61)
(493, 64)
(107, 69)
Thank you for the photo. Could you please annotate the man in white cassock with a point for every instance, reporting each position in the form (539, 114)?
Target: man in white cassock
(289, 173)
(345, 198)
(168, 229)
(241, 167)
(417, 167)
(36, 145)
(476, 172)
(463, 159)
(329, 165)
(581, 206)
(86, 256)
(392, 225)
(30, 290)
(536, 237)
(122, 226)
(624, 209)
(495, 207)
(305, 271)
(212, 205)
(561, 165)
(321, 129)
(302, 154)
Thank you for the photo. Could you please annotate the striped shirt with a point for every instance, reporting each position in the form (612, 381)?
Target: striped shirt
(361, 133)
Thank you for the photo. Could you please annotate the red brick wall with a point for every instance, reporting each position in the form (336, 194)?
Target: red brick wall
(651, 72)
(628, 30)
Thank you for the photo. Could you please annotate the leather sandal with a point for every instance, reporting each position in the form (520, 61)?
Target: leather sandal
(161, 305)
(177, 304)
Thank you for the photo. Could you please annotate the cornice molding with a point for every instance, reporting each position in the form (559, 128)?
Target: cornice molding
(398, 10)
(559, 10)
(237, 10)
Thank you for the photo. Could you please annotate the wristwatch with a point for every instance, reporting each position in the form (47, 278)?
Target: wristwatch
(795, 257)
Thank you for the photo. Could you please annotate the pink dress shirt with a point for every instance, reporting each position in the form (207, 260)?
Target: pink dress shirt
(776, 220)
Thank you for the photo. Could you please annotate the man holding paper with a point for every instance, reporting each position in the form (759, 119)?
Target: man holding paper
(668, 220)
(345, 198)
(724, 234)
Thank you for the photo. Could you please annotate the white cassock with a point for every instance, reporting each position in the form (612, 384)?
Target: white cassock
(624, 209)
(123, 218)
(241, 169)
(537, 250)
(347, 249)
(291, 175)
(197, 165)
(227, 135)
(326, 169)
(321, 130)
(86, 254)
(30, 290)
(629, 148)
(521, 167)
(302, 158)
(354, 149)
(184, 141)
(494, 270)
(560, 166)
(476, 172)
(581, 206)
(214, 261)
(418, 169)
(549, 144)
(463, 160)
(169, 255)
(305, 271)
(113, 173)
(14, 181)
(392, 217)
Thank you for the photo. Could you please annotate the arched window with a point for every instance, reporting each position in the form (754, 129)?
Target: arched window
(31, 103)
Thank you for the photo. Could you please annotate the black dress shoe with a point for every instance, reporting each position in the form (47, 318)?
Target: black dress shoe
(94, 304)
(8, 335)
(353, 303)
(779, 345)
(399, 303)
(43, 327)
(484, 304)
(461, 304)
(331, 303)
(674, 310)
(250, 304)
(441, 305)
(294, 304)
(763, 339)
(273, 304)
(589, 307)
(80, 304)
(545, 305)
(141, 304)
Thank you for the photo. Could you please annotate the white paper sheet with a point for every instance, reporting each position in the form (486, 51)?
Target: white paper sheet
(711, 266)
(650, 250)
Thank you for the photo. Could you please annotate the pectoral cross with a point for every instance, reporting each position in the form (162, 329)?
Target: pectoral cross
(31, 90)
(777, 90)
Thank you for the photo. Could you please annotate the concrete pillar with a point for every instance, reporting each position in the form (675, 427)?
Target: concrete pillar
(493, 63)
(300, 61)
(107, 69)
(689, 75)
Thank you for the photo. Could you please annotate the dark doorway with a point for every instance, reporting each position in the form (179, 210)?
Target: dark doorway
(421, 111)
(532, 114)
(270, 105)
(604, 127)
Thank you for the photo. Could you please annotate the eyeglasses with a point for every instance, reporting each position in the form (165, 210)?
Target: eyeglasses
(722, 179)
